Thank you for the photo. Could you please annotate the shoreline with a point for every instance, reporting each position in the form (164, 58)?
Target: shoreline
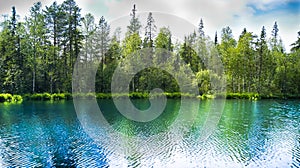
(6, 97)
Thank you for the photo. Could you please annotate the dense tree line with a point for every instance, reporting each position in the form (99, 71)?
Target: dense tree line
(38, 54)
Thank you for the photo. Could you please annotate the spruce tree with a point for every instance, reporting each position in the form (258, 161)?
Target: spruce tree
(103, 40)
(135, 25)
(216, 38)
(150, 29)
(296, 45)
(200, 29)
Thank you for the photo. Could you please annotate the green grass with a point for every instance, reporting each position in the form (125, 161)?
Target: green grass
(103, 96)
(48, 96)
(138, 95)
(58, 96)
(40, 96)
(206, 96)
(249, 96)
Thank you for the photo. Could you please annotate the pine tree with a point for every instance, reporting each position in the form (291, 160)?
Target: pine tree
(264, 62)
(149, 31)
(275, 39)
(37, 31)
(164, 39)
(103, 39)
(13, 22)
(294, 72)
(191, 39)
(102, 34)
(245, 62)
(189, 56)
(200, 29)
(11, 56)
(216, 38)
(275, 30)
(296, 45)
(112, 57)
(54, 19)
(135, 24)
(227, 51)
(72, 40)
(89, 30)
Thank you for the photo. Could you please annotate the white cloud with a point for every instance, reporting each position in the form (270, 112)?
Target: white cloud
(217, 14)
(267, 4)
(213, 11)
(22, 6)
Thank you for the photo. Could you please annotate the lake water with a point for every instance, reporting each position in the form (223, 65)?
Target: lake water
(261, 133)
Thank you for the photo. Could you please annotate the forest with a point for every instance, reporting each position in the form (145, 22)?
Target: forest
(38, 54)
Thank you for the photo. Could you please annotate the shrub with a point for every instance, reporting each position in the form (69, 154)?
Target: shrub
(6, 97)
(46, 96)
(138, 95)
(90, 95)
(17, 98)
(175, 95)
(58, 96)
(206, 96)
(103, 95)
(26, 96)
(40, 96)
(2, 98)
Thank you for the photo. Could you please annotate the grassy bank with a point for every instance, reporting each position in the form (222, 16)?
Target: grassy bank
(68, 96)
(138, 95)
(249, 96)
(48, 96)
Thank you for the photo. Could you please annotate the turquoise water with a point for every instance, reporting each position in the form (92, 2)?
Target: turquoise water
(263, 133)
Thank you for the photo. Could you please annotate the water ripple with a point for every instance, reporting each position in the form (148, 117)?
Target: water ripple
(250, 134)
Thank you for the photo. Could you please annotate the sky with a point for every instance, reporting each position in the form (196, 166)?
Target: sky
(216, 14)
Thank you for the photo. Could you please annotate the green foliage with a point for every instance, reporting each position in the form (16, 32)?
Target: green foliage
(296, 45)
(206, 96)
(250, 96)
(131, 44)
(190, 57)
(40, 96)
(5, 97)
(135, 25)
(17, 98)
(164, 39)
(149, 32)
(10, 98)
(58, 96)
(48, 96)
(140, 95)
(208, 82)
(103, 96)
(61, 96)
(37, 56)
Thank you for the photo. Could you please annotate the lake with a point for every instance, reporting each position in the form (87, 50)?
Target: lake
(262, 133)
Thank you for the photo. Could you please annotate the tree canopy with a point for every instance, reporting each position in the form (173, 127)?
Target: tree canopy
(38, 54)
